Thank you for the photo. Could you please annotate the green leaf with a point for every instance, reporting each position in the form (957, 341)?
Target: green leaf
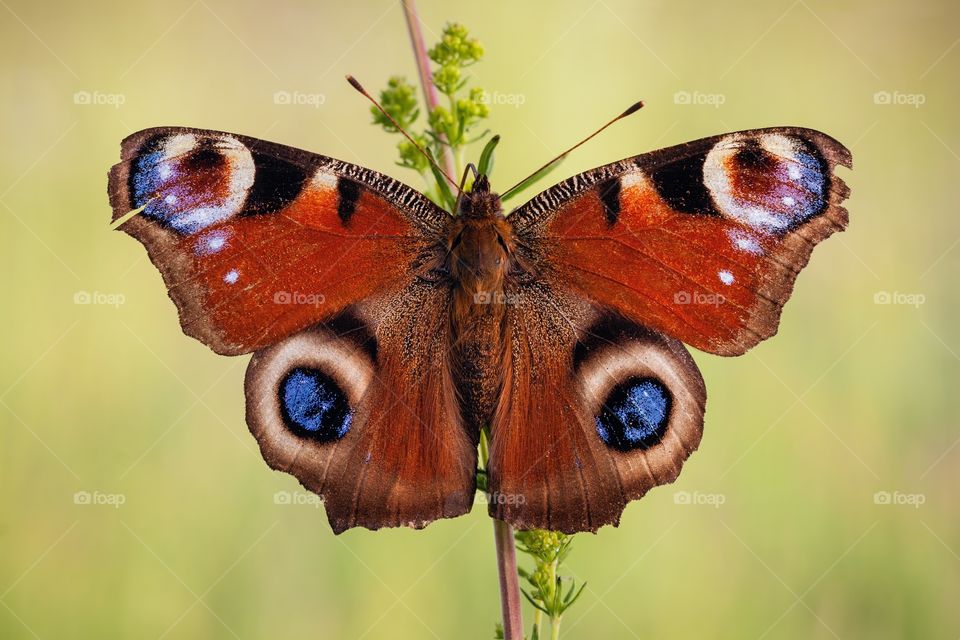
(445, 193)
(573, 584)
(535, 603)
(532, 179)
(485, 165)
(569, 602)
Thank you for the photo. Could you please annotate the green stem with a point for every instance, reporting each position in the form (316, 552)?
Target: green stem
(554, 587)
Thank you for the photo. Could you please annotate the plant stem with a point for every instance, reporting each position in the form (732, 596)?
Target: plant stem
(506, 568)
(554, 620)
(509, 586)
(426, 79)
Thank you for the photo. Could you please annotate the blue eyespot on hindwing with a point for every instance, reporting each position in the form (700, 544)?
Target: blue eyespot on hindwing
(313, 406)
(635, 414)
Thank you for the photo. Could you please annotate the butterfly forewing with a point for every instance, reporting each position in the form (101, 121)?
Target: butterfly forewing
(701, 241)
(256, 240)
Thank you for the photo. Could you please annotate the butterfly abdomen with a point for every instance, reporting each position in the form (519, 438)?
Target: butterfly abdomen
(480, 255)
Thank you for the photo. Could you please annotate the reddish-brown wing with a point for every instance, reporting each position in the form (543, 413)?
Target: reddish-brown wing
(596, 411)
(401, 454)
(256, 240)
(701, 241)
(315, 264)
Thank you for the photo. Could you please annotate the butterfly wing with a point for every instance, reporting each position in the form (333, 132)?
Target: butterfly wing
(702, 241)
(390, 448)
(596, 411)
(316, 265)
(257, 240)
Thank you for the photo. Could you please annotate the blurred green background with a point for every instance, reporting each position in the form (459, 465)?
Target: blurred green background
(822, 502)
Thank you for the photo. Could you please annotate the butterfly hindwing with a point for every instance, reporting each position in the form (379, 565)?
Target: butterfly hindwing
(391, 448)
(702, 241)
(596, 411)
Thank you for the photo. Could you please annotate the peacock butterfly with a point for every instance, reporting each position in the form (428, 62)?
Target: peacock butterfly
(387, 333)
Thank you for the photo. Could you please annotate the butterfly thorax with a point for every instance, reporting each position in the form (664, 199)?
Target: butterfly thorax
(480, 249)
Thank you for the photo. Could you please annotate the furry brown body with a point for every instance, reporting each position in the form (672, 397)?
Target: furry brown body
(479, 259)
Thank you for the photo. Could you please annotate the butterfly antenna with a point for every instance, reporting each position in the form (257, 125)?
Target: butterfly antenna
(629, 111)
(359, 87)
(463, 181)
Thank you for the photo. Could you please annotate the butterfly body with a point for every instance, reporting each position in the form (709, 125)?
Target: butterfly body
(387, 333)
